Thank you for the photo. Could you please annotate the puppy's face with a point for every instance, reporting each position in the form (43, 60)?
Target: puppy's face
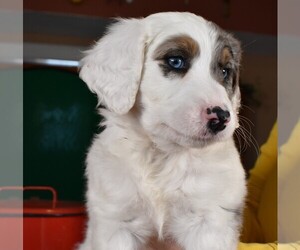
(183, 69)
(189, 89)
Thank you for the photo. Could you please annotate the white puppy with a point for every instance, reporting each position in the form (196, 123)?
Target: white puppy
(166, 163)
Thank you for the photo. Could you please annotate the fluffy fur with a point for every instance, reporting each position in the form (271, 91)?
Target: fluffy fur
(158, 168)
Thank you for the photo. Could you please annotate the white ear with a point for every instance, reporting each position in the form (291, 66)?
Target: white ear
(113, 68)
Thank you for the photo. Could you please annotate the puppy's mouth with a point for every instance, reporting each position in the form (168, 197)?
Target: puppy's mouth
(215, 125)
(204, 135)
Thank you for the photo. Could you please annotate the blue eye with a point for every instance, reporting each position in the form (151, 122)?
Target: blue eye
(225, 72)
(176, 62)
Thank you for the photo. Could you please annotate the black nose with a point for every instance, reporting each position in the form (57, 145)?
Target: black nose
(223, 115)
(218, 124)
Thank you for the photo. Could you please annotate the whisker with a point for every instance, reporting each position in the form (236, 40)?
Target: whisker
(245, 136)
(249, 139)
(241, 143)
(246, 125)
(250, 43)
(247, 120)
(243, 140)
(247, 107)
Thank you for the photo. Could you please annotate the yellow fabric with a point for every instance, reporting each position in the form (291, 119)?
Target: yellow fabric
(256, 246)
(270, 246)
(289, 186)
(289, 156)
(290, 246)
(267, 211)
(260, 222)
(260, 215)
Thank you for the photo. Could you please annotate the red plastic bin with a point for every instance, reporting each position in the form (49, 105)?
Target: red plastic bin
(47, 224)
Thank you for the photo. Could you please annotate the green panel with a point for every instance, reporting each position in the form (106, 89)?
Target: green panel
(59, 122)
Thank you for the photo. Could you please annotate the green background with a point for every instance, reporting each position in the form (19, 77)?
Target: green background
(60, 119)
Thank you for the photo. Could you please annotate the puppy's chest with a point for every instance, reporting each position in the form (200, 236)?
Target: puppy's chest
(167, 179)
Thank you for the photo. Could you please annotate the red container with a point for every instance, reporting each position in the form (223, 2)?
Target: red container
(47, 225)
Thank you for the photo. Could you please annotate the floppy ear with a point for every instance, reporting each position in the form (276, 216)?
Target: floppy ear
(112, 68)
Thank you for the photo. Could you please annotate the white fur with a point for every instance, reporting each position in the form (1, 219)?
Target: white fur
(156, 170)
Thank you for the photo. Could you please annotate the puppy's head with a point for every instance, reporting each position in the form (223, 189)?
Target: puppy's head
(184, 68)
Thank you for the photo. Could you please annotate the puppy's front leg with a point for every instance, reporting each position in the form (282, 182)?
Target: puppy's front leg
(209, 231)
(110, 234)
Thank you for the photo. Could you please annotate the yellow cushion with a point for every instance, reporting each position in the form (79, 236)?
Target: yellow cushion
(260, 223)
(270, 246)
(289, 156)
(267, 211)
(256, 246)
(260, 215)
(289, 186)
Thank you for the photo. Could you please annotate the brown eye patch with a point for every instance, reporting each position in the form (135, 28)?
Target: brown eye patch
(225, 68)
(226, 56)
(226, 60)
(176, 55)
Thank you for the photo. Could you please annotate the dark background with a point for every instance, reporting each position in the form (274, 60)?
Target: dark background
(59, 122)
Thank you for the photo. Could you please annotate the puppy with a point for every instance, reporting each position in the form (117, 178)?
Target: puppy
(166, 163)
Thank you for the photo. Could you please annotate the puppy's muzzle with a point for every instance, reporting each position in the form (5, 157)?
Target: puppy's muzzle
(217, 119)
